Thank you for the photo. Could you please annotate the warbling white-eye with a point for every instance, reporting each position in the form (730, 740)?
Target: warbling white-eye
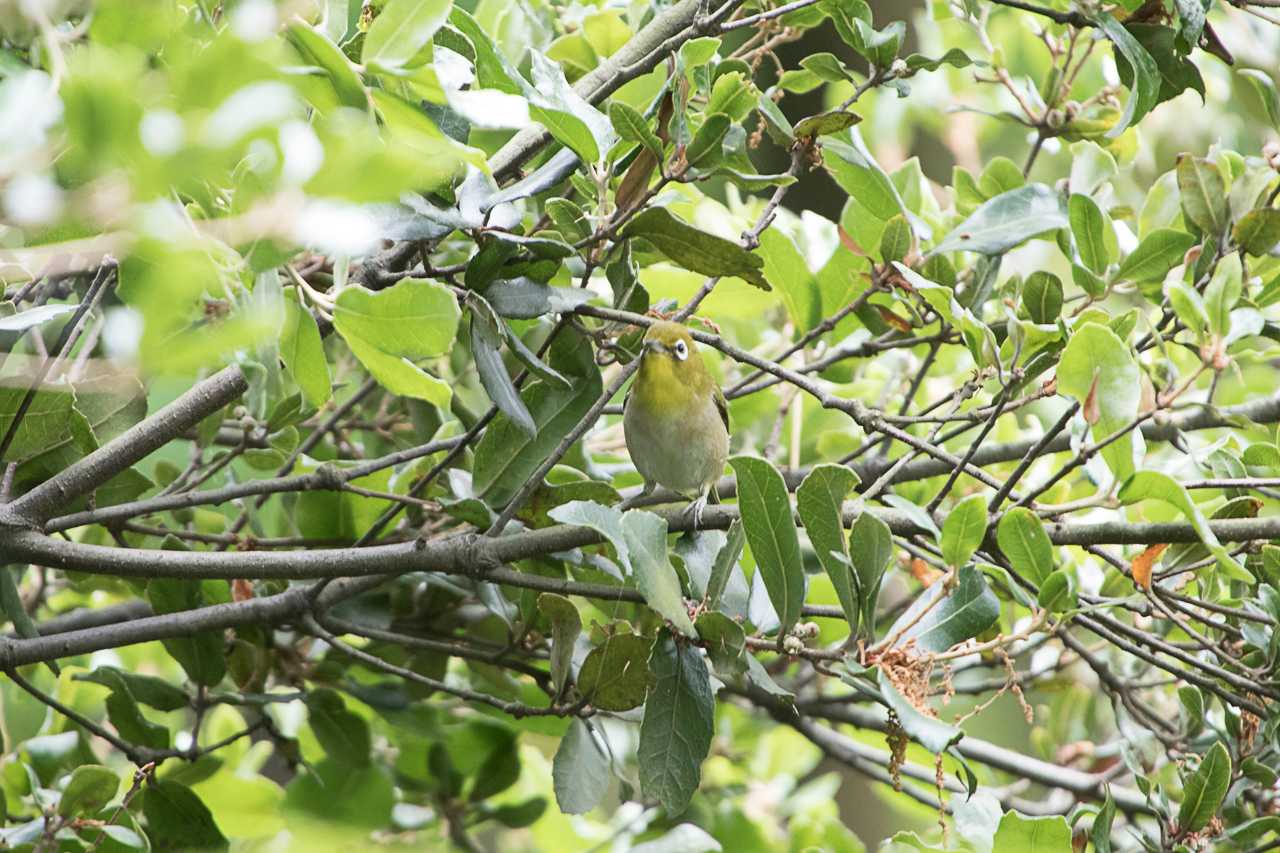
(676, 420)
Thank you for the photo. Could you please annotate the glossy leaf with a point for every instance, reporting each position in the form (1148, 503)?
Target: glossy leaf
(1159, 252)
(1021, 537)
(401, 30)
(962, 614)
(1007, 220)
(964, 529)
(1145, 89)
(580, 770)
(771, 533)
(1097, 363)
(566, 625)
(695, 250)
(819, 502)
(1204, 790)
(615, 675)
(675, 735)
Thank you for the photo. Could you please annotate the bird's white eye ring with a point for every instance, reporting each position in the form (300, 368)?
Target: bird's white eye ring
(682, 351)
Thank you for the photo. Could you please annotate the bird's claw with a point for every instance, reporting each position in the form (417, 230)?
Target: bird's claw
(695, 509)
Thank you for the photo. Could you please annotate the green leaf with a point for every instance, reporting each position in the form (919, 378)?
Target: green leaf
(646, 536)
(386, 329)
(954, 57)
(725, 562)
(615, 675)
(870, 551)
(505, 456)
(697, 52)
(91, 787)
(201, 653)
(705, 147)
(566, 625)
(302, 352)
(1001, 175)
(771, 533)
(1258, 231)
(499, 772)
(1145, 91)
(359, 798)
(178, 820)
(962, 614)
(1100, 832)
(580, 770)
(1058, 592)
(1159, 252)
(1266, 89)
(640, 540)
(827, 67)
(1188, 306)
(397, 374)
(316, 48)
(1204, 790)
(415, 318)
(1095, 355)
(525, 299)
(1192, 701)
(33, 317)
(1033, 834)
(497, 383)
(1042, 297)
(147, 689)
(1088, 226)
(401, 30)
(1021, 537)
(896, 240)
(1203, 194)
(343, 734)
(725, 642)
(930, 732)
(566, 115)
(12, 607)
(825, 124)
(1153, 485)
(695, 250)
(127, 718)
(633, 127)
(786, 270)
(819, 501)
(1007, 220)
(1223, 292)
(964, 529)
(679, 720)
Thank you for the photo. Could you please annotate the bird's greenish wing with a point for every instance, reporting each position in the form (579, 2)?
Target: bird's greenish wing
(722, 406)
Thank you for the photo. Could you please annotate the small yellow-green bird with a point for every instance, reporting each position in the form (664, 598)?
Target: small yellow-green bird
(676, 420)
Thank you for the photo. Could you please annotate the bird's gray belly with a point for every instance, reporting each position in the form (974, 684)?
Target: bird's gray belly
(682, 454)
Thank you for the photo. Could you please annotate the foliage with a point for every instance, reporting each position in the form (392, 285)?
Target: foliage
(317, 527)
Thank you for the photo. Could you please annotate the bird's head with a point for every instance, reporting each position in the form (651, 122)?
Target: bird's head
(671, 343)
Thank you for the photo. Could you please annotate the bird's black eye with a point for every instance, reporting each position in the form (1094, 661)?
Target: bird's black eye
(682, 351)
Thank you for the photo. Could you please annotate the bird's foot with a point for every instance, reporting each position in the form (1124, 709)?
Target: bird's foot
(695, 509)
(635, 499)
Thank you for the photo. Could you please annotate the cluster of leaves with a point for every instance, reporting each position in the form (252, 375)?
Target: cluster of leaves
(387, 560)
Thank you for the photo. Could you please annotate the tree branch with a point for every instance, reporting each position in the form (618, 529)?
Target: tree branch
(150, 434)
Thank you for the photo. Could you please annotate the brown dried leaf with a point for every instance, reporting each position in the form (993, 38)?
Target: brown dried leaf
(902, 324)
(923, 572)
(1142, 564)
